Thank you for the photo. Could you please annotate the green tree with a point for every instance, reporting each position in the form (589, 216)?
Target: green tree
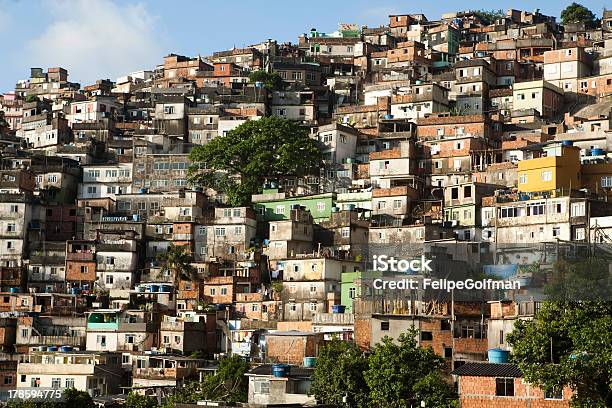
(229, 383)
(489, 16)
(568, 344)
(339, 373)
(272, 81)
(402, 374)
(135, 400)
(587, 279)
(258, 150)
(177, 261)
(577, 13)
(32, 98)
(3, 122)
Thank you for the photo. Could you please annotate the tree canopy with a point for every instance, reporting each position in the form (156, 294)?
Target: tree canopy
(177, 261)
(228, 384)
(339, 373)
(489, 16)
(396, 374)
(577, 13)
(568, 344)
(271, 80)
(135, 400)
(255, 152)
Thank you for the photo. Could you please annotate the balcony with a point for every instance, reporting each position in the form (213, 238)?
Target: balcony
(162, 373)
(335, 319)
(78, 341)
(182, 237)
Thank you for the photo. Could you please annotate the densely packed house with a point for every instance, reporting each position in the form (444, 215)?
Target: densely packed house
(455, 135)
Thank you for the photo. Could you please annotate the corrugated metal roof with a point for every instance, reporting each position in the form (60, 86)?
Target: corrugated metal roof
(488, 370)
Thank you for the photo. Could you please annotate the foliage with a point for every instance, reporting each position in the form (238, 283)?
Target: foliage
(256, 151)
(587, 279)
(32, 98)
(229, 383)
(135, 400)
(489, 16)
(568, 344)
(577, 13)
(272, 81)
(177, 261)
(277, 287)
(339, 373)
(3, 122)
(396, 375)
(400, 371)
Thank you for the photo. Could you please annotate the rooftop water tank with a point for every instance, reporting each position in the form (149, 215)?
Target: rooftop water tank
(280, 370)
(567, 143)
(310, 362)
(498, 356)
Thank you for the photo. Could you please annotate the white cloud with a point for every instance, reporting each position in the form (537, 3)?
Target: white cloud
(96, 39)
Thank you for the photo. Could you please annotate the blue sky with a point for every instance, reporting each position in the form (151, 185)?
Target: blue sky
(105, 39)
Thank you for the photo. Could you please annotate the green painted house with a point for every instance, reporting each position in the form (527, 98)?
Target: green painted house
(272, 205)
(351, 287)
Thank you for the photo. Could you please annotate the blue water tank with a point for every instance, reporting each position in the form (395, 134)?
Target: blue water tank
(567, 143)
(154, 288)
(310, 362)
(75, 291)
(350, 207)
(498, 356)
(52, 348)
(135, 217)
(597, 152)
(14, 290)
(280, 370)
(143, 191)
(388, 117)
(66, 349)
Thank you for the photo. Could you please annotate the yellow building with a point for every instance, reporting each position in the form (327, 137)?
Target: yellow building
(558, 170)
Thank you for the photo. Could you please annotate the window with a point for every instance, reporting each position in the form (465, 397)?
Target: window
(56, 382)
(219, 231)
(238, 230)
(320, 206)
(11, 228)
(169, 110)
(129, 338)
(578, 209)
(426, 336)
(508, 212)
(84, 268)
(280, 209)
(382, 205)
(547, 175)
(501, 337)
(101, 340)
(261, 386)
(35, 382)
(14, 208)
(224, 291)
(346, 232)
(440, 131)
(579, 234)
(110, 260)
(397, 204)
(352, 293)
(523, 179)
(313, 307)
(109, 279)
(536, 208)
(8, 380)
(554, 394)
(504, 387)
(384, 326)
(292, 307)
(213, 291)
(606, 181)
(556, 231)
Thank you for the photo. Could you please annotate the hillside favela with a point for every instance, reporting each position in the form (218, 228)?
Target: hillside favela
(413, 214)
